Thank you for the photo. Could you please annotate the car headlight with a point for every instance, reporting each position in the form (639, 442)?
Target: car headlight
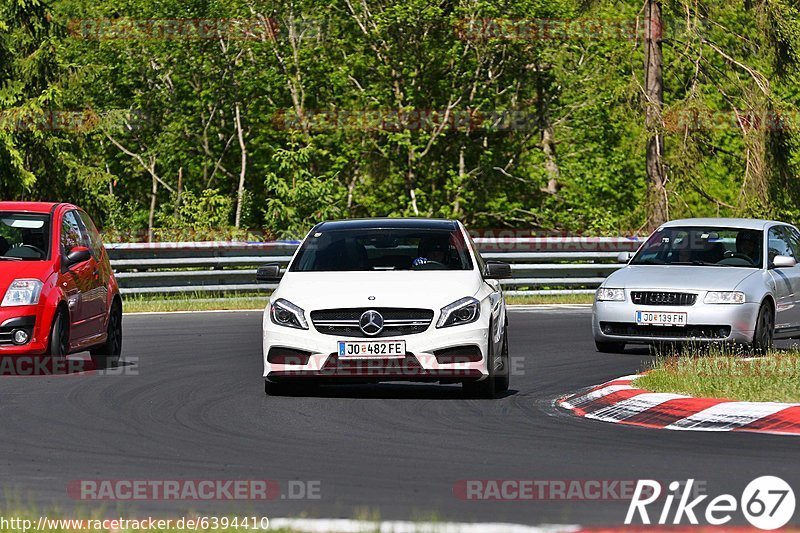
(22, 292)
(724, 297)
(460, 312)
(285, 313)
(610, 295)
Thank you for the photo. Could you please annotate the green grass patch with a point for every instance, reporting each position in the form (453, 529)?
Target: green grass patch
(206, 302)
(197, 302)
(715, 374)
(539, 299)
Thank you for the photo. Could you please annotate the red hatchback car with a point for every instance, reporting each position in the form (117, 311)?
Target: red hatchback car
(59, 294)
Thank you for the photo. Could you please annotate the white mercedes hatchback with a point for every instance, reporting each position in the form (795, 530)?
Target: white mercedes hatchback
(390, 299)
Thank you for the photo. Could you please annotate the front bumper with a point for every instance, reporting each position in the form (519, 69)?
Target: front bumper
(705, 323)
(30, 318)
(418, 364)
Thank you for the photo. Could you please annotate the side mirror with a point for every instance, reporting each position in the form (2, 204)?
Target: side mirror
(79, 254)
(624, 257)
(783, 261)
(268, 274)
(497, 270)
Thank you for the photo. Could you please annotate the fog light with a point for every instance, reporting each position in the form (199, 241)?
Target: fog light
(20, 336)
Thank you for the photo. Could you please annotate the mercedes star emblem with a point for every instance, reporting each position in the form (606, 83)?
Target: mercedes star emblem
(371, 322)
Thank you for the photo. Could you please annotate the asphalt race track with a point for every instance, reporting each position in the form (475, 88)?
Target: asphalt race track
(192, 406)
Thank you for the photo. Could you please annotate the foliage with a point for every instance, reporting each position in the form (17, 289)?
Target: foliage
(377, 108)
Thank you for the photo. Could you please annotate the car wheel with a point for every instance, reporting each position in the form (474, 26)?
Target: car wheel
(484, 389)
(288, 388)
(107, 354)
(501, 378)
(609, 347)
(764, 330)
(274, 389)
(59, 341)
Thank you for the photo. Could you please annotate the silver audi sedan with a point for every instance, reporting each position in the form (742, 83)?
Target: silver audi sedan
(704, 280)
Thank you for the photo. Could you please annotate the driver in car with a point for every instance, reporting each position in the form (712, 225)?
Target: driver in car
(432, 250)
(747, 244)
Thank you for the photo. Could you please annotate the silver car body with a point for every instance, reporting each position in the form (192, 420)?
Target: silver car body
(778, 287)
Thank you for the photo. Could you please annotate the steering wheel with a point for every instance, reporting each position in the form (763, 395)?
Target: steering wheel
(431, 265)
(39, 251)
(739, 255)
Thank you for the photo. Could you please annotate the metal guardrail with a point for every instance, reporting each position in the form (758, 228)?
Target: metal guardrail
(538, 264)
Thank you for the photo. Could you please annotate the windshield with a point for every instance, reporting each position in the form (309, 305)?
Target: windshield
(702, 246)
(366, 249)
(24, 236)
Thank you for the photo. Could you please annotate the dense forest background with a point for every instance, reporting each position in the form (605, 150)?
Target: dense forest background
(241, 115)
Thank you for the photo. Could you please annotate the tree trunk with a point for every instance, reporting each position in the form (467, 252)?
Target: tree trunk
(243, 148)
(152, 214)
(548, 143)
(411, 181)
(462, 171)
(550, 162)
(657, 204)
(180, 192)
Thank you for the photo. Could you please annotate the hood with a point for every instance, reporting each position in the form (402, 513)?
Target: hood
(432, 289)
(11, 270)
(701, 278)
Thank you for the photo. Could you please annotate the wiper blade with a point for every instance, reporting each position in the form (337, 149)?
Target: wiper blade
(10, 258)
(695, 262)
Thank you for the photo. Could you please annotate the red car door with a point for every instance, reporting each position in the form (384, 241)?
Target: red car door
(101, 274)
(79, 281)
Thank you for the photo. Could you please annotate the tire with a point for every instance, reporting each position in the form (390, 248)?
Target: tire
(274, 389)
(764, 331)
(58, 345)
(609, 347)
(288, 388)
(501, 379)
(107, 355)
(486, 388)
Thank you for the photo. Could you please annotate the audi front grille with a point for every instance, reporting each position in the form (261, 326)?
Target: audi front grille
(663, 298)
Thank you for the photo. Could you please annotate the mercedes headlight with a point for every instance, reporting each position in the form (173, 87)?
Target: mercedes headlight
(724, 297)
(460, 312)
(610, 295)
(22, 292)
(285, 313)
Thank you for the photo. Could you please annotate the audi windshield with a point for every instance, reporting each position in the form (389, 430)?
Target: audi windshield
(702, 246)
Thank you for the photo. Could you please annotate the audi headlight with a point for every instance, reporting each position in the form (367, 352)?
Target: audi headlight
(461, 311)
(724, 297)
(610, 295)
(22, 292)
(285, 313)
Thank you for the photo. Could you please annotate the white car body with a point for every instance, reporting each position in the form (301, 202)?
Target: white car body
(362, 291)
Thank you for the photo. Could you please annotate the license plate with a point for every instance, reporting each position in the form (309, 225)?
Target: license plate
(659, 318)
(364, 349)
